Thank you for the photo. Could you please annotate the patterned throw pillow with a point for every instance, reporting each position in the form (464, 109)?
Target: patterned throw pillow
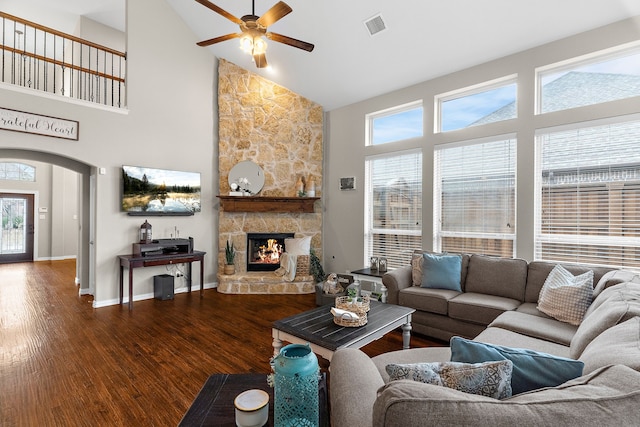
(416, 269)
(566, 297)
(491, 379)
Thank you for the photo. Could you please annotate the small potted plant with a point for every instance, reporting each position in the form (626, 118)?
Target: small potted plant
(229, 256)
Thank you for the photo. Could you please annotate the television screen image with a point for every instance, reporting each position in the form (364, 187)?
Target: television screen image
(148, 191)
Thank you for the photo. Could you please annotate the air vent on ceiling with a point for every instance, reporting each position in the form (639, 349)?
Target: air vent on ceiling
(375, 24)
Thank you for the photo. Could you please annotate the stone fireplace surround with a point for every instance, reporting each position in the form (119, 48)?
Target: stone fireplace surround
(282, 132)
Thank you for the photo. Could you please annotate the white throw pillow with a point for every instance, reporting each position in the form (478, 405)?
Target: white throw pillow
(566, 297)
(298, 246)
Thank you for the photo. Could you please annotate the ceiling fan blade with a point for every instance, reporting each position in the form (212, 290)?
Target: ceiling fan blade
(219, 39)
(219, 10)
(290, 41)
(260, 60)
(277, 11)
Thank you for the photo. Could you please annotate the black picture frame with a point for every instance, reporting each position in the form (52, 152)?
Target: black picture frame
(348, 183)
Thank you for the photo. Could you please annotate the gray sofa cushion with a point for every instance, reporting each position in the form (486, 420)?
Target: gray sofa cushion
(503, 277)
(608, 396)
(619, 344)
(536, 326)
(479, 308)
(531, 308)
(612, 278)
(426, 299)
(614, 305)
(508, 338)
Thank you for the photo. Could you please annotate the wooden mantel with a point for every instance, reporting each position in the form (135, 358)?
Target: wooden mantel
(267, 204)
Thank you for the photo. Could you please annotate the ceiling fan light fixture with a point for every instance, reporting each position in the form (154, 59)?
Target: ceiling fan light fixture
(246, 43)
(259, 46)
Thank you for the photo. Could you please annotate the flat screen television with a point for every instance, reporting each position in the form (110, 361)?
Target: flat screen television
(149, 191)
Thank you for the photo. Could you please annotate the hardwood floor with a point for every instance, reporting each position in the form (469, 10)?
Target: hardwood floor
(64, 363)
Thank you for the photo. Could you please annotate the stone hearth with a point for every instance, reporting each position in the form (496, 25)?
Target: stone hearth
(263, 282)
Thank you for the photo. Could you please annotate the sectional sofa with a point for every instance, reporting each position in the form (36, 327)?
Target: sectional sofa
(498, 307)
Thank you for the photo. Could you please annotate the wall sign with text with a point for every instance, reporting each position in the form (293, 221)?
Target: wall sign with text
(20, 121)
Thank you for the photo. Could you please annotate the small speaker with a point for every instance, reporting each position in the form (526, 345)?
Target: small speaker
(163, 286)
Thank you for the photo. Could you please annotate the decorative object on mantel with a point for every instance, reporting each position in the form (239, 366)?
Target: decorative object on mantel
(311, 187)
(246, 179)
(229, 255)
(268, 204)
(300, 188)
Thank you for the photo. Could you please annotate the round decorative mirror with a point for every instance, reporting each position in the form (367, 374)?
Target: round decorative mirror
(246, 176)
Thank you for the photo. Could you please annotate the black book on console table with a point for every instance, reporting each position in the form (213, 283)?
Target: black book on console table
(163, 247)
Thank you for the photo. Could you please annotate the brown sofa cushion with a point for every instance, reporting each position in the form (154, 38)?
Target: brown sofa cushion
(619, 344)
(614, 305)
(503, 277)
(608, 396)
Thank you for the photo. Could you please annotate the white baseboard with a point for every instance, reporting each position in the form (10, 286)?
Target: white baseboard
(140, 297)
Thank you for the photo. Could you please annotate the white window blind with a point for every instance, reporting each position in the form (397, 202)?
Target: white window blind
(393, 207)
(474, 198)
(588, 195)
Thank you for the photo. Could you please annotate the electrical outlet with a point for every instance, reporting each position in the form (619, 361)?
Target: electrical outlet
(178, 274)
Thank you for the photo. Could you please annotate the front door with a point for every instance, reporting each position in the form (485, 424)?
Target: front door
(16, 234)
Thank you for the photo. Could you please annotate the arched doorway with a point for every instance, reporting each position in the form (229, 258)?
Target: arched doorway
(85, 265)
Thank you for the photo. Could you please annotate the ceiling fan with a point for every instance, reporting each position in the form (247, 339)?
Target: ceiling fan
(253, 28)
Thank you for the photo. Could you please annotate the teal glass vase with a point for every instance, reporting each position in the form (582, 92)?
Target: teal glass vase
(296, 374)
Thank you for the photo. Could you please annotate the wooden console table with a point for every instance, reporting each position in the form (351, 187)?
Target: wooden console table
(135, 261)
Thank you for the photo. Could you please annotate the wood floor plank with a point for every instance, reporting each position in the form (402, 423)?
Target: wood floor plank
(64, 363)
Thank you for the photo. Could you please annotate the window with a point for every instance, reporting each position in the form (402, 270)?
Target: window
(393, 207)
(485, 103)
(588, 195)
(474, 198)
(14, 171)
(395, 124)
(589, 80)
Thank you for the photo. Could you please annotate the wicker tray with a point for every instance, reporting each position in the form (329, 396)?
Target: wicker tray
(351, 323)
(359, 307)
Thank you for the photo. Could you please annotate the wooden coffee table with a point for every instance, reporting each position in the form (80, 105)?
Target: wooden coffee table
(317, 328)
(213, 406)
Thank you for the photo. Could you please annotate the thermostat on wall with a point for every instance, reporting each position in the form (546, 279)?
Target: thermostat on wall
(43, 209)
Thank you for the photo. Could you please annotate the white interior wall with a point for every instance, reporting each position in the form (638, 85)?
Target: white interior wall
(345, 152)
(169, 124)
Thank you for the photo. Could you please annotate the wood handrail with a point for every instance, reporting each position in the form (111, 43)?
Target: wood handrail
(62, 63)
(61, 34)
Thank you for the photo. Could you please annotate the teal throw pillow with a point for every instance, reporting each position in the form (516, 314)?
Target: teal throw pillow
(531, 369)
(441, 271)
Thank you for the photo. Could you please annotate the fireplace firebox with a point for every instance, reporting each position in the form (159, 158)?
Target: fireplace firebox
(264, 250)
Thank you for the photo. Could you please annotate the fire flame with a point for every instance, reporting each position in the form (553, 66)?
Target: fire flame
(270, 253)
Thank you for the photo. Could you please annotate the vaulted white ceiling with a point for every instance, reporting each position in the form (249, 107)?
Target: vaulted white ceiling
(423, 39)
